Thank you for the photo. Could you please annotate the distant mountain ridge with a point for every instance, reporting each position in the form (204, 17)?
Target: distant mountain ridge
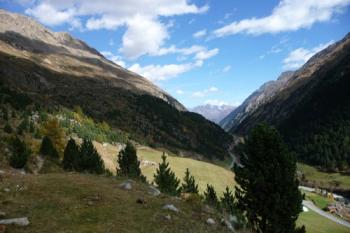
(54, 69)
(283, 90)
(214, 113)
(256, 99)
(310, 107)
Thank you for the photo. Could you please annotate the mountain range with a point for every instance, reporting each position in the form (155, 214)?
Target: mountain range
(214, 113)
(54, 69)
(310, 107)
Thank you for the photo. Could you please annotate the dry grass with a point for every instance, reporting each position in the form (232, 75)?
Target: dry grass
(205, 173)
(86, 203)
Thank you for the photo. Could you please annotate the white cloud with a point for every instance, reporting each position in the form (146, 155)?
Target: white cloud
(184, 51)
(226, 69)
(205, 92)
(216, 102)
(145, 34)
(51, 16)
(299, 56)
(200, 33)
(138, 42)
(180, 92)
(221, 103)
(206, 54)
(288, 15)
(114, 58)
(164, 72)
(160, 72)
(200, 53)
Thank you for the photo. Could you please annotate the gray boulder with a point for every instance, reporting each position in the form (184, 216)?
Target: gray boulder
(126, 185)
(210, 221)
(15, 221)
(228, 224)
(171, 207)
(153, 191)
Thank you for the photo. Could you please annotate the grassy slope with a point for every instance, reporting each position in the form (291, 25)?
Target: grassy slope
(312, 174)
(320, 201)
(60, 203)
(204, 172)
(315, 223)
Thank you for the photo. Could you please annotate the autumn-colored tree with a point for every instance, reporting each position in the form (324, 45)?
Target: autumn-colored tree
(51, 128)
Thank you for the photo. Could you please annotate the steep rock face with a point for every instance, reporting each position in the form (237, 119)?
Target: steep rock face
(263, 95)
(214, 113)
(55, 69)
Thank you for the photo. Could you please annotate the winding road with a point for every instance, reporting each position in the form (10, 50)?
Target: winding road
(312, 207)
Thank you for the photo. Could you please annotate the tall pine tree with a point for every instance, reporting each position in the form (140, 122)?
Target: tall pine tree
(89, 160)
(20, 154)
(189, 185)
(267, 189)
(129, 165)
(70, 157)
(166, 180)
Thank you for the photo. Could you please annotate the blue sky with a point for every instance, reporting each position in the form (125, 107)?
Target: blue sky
(199, 51)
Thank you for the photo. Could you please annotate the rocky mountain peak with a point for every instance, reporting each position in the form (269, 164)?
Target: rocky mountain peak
(214, 113)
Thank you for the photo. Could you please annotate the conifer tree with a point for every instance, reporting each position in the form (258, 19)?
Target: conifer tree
(8, 128)
(89, 160)
(228, 201)
(129, 165)
(47, 148)
(166, 180)
(70, 156)
(23, 126)
(189, 185)
(5, 114)
(31, 127)
(20, 154)
(267, 189)
(210, 196)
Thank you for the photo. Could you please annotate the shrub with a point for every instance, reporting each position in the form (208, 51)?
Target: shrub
(210, 196)
(228, 201)
(47, 148)
(23, 126)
